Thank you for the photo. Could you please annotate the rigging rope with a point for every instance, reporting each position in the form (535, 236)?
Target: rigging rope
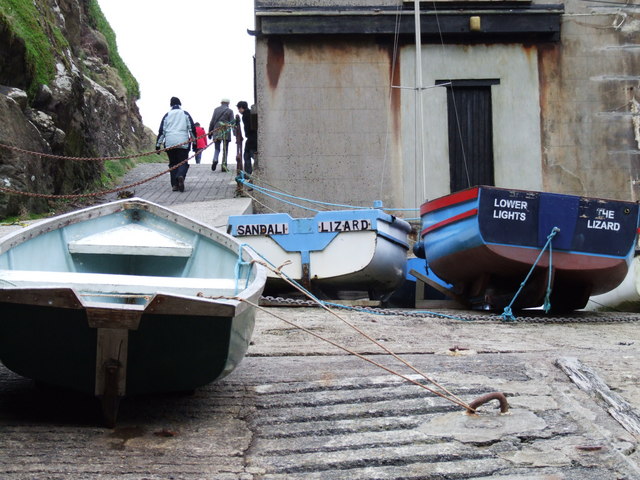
(453, 99)
(278, 271)
(243, 178)
(394, 59)
(507, 313)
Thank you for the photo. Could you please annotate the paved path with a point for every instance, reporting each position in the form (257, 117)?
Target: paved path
(209, 197)
(201, 184)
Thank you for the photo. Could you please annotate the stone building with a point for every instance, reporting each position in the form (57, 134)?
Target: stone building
(519, 94)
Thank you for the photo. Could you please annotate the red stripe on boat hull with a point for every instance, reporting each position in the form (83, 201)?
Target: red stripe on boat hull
(449, 200)
(449, 221)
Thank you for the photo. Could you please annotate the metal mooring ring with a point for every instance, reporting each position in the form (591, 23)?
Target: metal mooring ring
(504, 405)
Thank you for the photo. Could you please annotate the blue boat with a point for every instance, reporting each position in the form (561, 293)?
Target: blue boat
(335, 254)
(486, 240)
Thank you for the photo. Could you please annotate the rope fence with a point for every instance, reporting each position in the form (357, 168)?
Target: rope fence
(12, 191)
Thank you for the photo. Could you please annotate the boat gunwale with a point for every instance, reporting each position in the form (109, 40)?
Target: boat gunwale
(254, 288)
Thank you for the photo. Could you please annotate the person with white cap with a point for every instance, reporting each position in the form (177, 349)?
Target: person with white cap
(220, 132)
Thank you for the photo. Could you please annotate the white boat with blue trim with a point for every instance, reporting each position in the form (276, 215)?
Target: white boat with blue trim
(335, 254)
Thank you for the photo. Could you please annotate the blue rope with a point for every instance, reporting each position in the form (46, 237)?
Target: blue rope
(507, 314)
(547, 297)
(241, 178)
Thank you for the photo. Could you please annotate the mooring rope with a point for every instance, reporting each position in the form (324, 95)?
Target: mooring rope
(453, 399)
(278, 271)
(507, 314)
(243, 178)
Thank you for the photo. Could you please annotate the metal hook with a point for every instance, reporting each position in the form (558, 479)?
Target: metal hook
(504, 405)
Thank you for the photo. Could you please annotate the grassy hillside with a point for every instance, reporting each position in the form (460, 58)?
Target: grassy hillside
(34, 23)
(30, 25)
(98, 21)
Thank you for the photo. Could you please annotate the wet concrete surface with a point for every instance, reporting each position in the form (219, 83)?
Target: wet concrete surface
(300, 408)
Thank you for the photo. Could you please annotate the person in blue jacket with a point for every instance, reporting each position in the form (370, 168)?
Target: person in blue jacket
(177, 128)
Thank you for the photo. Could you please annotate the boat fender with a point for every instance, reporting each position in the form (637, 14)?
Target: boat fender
(418, 249)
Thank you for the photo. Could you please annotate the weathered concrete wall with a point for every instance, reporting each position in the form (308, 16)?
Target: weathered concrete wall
(515, 112)
(565, 115)
(328, 123)
(588, 89)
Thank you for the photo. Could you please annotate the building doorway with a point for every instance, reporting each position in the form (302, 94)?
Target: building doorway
(470, 128)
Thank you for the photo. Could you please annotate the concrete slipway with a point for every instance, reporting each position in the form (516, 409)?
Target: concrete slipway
(299, 408)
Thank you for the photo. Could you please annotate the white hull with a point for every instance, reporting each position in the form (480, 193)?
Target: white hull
(625, 297)
(371, 260)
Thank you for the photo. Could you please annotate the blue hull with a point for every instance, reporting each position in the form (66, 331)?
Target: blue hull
(485, 240)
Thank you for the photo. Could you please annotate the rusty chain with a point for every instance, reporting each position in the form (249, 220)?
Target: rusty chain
(100, 159)
(12, 191)
(531, 315)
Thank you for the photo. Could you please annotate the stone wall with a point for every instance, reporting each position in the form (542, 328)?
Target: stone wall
(589, 92)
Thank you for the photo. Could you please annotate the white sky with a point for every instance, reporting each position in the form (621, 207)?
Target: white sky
(196, 50)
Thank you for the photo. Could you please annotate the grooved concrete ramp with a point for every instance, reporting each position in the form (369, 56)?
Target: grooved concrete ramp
(298, 408)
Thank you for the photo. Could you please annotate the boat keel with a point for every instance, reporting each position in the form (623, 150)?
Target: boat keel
(110, 399)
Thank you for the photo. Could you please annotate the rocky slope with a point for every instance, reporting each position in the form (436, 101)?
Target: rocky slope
(65, 91)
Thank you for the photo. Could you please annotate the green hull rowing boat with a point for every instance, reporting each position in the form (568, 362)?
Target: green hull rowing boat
(125, 298)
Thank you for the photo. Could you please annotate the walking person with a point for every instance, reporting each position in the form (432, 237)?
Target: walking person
(251, 134)
(177, 128)
(237, 133)
(220, 132)
(201, 141)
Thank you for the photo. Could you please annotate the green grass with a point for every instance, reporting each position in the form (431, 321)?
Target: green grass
(22, 218)
(115, 170)
(30, 25)
(98, 21)
(37, 28)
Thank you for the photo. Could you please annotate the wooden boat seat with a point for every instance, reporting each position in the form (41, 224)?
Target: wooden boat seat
(131, 240)
(103, 283)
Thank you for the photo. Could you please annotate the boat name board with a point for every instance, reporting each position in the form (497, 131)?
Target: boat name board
(604, 224)
(509, 209)
(262, 229)
(602, 227)
(515, 209)
(344, 225)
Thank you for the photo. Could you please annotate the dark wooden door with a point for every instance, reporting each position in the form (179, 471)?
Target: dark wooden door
(470, 133)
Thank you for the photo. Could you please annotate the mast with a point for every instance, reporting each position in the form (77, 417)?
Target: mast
(420, 181)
